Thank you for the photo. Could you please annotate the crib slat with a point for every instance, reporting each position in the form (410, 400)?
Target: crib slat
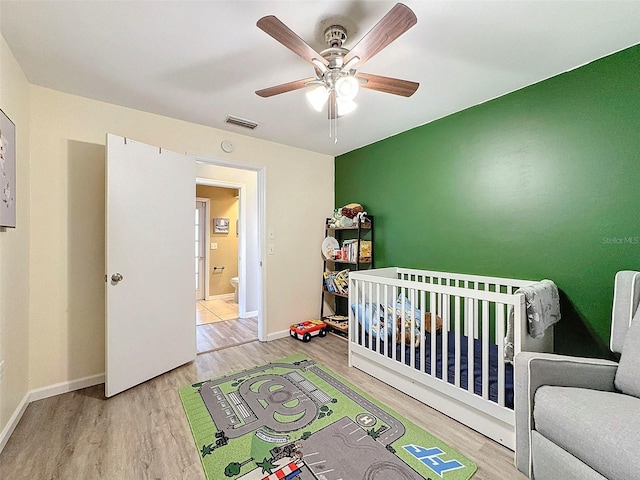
(456, 336)
(476, 319)
(355, 326)
(444, 337)
(465, 323)
(403, 319)
(385, 318)
(370, 303)
(500, 330)
(423, 305)
(363, 328)
(394, 322)
(412, 327)
(486, 334)
(470, 315)
(375, 313)
(432, 309)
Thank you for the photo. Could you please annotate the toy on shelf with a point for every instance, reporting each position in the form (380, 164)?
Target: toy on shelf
(348, 216)
(307, 329)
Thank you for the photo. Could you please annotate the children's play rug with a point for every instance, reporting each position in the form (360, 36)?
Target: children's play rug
(294, 419)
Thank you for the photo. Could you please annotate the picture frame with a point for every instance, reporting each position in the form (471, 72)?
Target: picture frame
(7, 172)
(221, 225)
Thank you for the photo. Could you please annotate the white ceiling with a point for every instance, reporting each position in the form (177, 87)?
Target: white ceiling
(200, 61)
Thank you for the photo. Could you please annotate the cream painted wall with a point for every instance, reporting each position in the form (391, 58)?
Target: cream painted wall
(224, 203)
(67, 217)
(14, 247)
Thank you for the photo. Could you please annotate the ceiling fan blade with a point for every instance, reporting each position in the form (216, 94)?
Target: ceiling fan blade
(395, 86)
(283, 34)
(285, 87)
(397, 21)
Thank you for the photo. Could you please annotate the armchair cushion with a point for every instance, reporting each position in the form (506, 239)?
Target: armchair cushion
(627, 378)
(533, 370)
(590, 425)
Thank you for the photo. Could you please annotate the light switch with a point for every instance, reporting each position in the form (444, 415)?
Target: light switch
(214, 246)
(271, 233)
(271, 249)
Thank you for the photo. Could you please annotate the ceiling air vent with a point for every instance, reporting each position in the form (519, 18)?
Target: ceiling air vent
(241, 122)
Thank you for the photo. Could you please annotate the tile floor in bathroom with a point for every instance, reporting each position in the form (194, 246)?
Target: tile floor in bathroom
(208, 311)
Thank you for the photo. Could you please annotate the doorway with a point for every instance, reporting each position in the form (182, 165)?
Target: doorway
(228, 223)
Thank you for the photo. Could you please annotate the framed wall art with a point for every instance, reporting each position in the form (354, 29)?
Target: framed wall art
(220, 225)
(7, 172)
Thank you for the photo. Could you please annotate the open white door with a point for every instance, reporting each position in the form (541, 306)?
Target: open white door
(150, 311)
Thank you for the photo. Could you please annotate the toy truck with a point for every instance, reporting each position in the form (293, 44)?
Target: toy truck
(307, 329)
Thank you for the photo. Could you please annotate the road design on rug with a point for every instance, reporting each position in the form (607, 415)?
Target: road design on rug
(280, 421)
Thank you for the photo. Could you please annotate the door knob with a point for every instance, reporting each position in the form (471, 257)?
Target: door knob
(116, 277)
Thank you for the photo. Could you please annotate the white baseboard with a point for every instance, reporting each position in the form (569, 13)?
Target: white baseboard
(222, 296)
(45, 392)
(13, 421)
(65, 387)
(250, 314)
(277, 335)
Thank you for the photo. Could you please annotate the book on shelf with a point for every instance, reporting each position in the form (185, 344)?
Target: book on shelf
(349, 248)
(337, 282)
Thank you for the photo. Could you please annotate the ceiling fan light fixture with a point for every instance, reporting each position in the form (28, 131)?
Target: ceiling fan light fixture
(317, 95)
(347, 87)
(345, 106)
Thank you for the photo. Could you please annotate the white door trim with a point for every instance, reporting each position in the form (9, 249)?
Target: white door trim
(207, 241)
(261, 172)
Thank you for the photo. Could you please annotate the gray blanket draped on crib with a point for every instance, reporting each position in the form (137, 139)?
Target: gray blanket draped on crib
(543, 310)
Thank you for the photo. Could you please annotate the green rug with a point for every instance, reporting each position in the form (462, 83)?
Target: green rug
(294, 419)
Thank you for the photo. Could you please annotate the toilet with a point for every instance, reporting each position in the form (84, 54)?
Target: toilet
(234, 282)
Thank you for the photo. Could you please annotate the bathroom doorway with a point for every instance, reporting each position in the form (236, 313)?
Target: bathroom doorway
(227, 312)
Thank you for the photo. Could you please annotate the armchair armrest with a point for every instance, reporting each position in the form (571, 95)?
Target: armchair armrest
(533, 370)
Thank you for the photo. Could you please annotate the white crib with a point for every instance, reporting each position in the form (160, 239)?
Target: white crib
(476, 313)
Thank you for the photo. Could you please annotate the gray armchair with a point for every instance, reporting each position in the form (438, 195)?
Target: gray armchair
(579, 418)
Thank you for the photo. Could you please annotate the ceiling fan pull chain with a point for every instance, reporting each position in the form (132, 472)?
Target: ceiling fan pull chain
(331, 117)
(336, 118)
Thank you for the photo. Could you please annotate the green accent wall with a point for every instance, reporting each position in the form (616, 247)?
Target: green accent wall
(541, 183)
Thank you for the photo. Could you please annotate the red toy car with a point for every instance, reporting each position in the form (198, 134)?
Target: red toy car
(310, 328)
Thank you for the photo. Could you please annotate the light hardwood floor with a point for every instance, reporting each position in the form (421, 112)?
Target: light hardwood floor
(143, 433)
(218, 325)
(227, 333)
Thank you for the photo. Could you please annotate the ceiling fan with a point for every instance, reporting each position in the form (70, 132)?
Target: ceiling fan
(337, 81)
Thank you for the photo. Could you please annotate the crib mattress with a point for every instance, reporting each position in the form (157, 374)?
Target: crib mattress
(424, 350)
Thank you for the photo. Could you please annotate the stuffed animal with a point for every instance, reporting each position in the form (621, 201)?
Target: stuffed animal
(427, 322)
(351, 210)
(406, 329)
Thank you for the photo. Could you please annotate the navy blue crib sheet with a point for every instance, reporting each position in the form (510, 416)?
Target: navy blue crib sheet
(425, 350)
